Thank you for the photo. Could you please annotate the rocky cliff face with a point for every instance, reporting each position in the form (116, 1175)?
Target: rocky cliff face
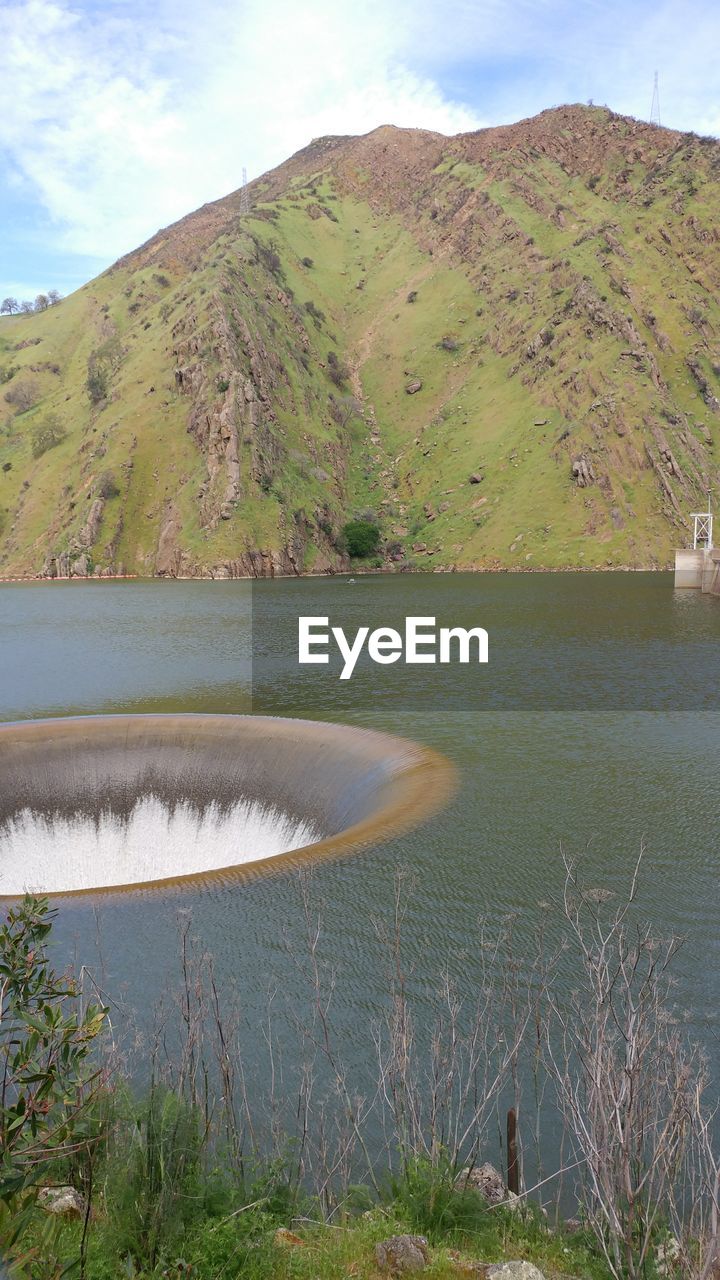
(503, 347)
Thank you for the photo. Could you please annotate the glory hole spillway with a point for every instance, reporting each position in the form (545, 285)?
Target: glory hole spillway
(100, 803)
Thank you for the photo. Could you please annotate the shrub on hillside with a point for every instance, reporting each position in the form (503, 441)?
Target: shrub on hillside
(317, 315)
(97, 384)
(107, 486)
(361, 537)
(98, 378)
(270, 258)
(337, 372)
(23, 395)
(344, 408)
(47, 434)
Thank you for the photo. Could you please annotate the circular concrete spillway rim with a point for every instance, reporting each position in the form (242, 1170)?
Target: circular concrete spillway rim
(408, 782)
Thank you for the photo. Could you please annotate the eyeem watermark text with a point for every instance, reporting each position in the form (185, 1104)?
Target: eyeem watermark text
(422, 642)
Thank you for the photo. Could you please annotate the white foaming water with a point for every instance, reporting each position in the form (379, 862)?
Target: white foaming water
(53, 855)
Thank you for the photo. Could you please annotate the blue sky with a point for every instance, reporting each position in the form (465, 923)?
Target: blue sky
(119, 117)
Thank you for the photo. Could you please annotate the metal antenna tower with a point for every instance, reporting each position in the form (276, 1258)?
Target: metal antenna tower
(655, 108)
(244, 196)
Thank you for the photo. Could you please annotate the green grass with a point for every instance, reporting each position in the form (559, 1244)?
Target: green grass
(262, 1243)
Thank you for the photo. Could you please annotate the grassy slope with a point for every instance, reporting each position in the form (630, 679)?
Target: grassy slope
(573, 272)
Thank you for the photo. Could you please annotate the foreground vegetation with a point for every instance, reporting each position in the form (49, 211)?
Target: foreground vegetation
(211, 1174)
(270, 1241)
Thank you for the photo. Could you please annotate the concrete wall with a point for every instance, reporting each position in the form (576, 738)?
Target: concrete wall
(711, 573)
(698, 569)
(689, 568)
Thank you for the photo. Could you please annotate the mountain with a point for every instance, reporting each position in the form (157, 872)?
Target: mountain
(504, 347)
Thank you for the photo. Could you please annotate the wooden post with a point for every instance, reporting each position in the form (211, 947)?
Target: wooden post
(513, 1170)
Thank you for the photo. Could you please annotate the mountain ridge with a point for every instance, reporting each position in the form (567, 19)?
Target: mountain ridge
(231, 393)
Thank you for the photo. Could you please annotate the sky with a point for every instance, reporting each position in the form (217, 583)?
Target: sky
(119, 116)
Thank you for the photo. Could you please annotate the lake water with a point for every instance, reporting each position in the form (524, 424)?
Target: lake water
(595, 727)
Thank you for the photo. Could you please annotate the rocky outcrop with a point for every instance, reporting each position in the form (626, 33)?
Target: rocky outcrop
(257, 564)
(77, 562)
(582, 470)
(91, 527)
(168, 561)
(233, 418)
(230, 410)
(216, 420)
(68, 564)
(710, 399)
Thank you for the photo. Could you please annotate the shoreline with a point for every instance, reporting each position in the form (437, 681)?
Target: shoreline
(38, 579)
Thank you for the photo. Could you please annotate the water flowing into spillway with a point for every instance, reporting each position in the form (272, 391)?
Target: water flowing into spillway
(100, 803)
(138, 848)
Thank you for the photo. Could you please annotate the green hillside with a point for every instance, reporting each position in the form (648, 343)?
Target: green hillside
(503, 347)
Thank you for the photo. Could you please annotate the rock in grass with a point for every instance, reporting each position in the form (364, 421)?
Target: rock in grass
(496, 1270)
(401, 1254)
(287, 1239)
(488, 1181)
(513, 1271)
(63, 1201)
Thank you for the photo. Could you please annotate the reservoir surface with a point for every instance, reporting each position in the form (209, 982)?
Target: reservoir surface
(594, 729)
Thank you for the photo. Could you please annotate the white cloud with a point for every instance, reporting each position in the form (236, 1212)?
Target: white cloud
(120, 115)
(117, 136)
